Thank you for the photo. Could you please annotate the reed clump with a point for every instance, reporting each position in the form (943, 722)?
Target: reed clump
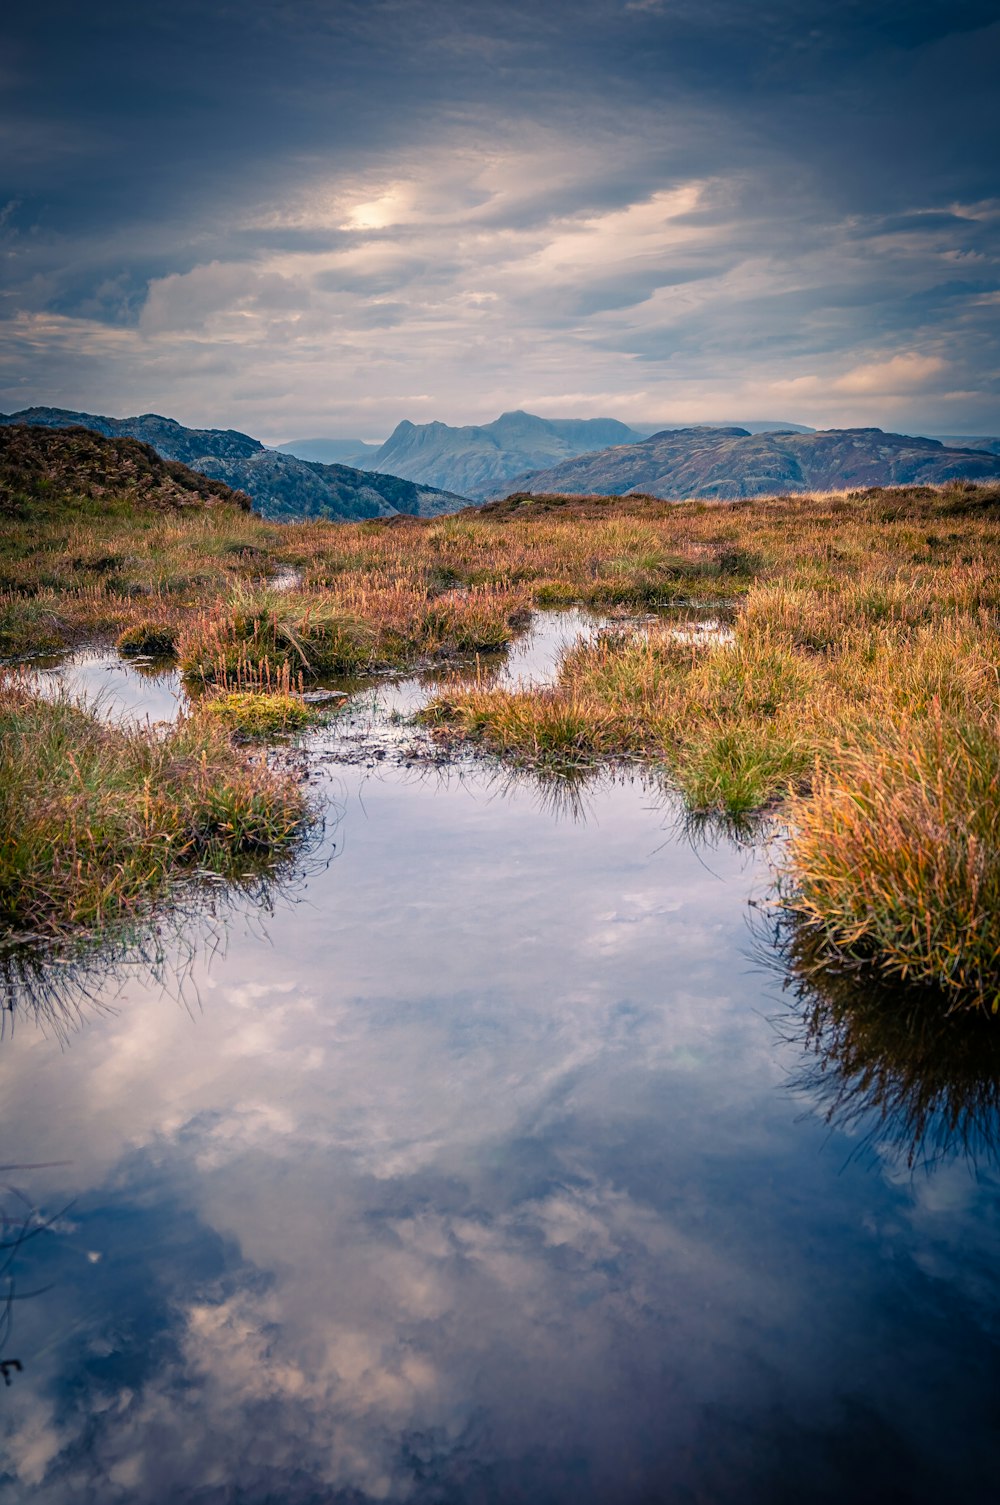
(98, 822)
(363, 626)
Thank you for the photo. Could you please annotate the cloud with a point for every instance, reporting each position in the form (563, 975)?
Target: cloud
(908, 372)
(491, 201)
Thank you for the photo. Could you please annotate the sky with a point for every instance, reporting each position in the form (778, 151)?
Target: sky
(311, 218)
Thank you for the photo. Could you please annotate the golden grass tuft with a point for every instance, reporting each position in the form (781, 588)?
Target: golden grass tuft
(895, 855)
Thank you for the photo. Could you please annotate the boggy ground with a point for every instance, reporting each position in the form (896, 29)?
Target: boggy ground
(859, 689)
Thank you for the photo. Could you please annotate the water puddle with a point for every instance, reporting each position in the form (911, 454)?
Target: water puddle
(133, 691)
(378, 710)
(534, 658)
(483, 1168)
(490, 1158)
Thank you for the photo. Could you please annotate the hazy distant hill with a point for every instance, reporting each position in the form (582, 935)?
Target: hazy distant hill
(279, 485)
(356, 452)
(74, 462)
(751, 425)
(478, 459)
(729, 463)
(971, 441)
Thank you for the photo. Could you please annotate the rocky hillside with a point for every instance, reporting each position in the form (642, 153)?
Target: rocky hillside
(43, 462)
(280, 486)
(728, 463)
(478, 459)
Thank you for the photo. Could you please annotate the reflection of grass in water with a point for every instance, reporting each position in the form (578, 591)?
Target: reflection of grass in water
(59, 984)
(559, 795)
(713, 828)
(886, 1060)
(564, 794)
(21, 1222)
(154, 669)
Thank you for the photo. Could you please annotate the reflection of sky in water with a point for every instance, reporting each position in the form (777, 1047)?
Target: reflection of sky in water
(479, 1181)
(119, 690)
(141, 690)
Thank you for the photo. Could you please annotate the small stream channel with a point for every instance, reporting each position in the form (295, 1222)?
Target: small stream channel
(486, 1164)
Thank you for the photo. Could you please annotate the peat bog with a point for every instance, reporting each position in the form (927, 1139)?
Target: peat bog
(534, 1036)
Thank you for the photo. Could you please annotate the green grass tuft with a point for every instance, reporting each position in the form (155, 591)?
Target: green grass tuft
(259, 714)
(148, 638)
(98, 822)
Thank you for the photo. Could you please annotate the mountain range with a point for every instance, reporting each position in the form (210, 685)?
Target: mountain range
(597, 456)
(477, 458)
(971, 441)
(280, 486)
(729, 463)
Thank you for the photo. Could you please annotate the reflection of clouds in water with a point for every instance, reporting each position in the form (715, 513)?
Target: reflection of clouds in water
(476, 1176)
(380, 1323)
(329, 1133)
(612, 931)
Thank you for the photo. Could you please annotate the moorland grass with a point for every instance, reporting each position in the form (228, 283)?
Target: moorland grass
(98, 822)
(147, 638)
(895, 853)
(364, 626)
(864, 646)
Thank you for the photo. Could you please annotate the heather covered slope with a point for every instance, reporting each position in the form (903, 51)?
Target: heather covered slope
(280, 485)
(477, 459)
(81, 463)
(730, 463)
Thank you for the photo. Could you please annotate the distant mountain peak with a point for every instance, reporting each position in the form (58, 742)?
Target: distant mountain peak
(477, 458)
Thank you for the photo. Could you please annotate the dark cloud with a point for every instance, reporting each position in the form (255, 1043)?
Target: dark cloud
(273, 183)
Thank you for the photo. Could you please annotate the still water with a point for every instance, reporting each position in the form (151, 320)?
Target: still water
(493, 1165)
